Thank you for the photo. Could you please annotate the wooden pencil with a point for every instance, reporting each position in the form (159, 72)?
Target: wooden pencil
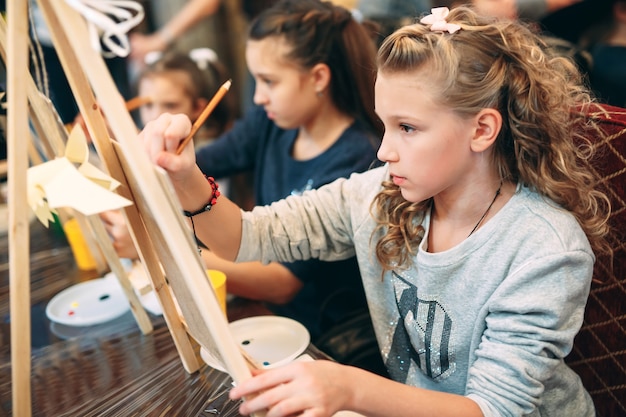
(221, 92)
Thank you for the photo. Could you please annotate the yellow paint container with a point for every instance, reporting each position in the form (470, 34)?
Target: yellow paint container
(218, 280)
(84, 259)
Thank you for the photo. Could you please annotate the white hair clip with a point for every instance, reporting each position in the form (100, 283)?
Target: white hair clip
(357, 15)
(203, 56)
(152, 57)
(437, 21)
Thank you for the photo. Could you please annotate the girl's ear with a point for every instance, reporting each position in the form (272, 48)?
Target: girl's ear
(320, 74)
(488, 125)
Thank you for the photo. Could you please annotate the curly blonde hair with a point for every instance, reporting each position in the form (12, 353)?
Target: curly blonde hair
(502, 65)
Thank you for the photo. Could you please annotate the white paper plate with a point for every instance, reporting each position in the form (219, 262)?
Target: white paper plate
(87, 303)
(271, 340)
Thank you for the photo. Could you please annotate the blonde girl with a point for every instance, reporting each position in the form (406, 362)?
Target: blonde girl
(476, 239)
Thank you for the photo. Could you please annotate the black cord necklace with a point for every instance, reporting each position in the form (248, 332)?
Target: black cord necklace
(486, 211)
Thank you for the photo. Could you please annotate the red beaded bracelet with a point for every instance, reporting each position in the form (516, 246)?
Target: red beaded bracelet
(212, 201)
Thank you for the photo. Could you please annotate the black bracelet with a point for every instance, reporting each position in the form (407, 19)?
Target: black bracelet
(212, 200)
(207, 207)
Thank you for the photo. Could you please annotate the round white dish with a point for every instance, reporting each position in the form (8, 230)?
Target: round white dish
(271, 341)
(87, 303)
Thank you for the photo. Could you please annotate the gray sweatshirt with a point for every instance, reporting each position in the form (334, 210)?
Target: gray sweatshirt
(491, 318)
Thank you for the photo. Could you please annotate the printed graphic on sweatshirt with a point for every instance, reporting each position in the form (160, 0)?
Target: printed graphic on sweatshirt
(422, 337)
(308, 186)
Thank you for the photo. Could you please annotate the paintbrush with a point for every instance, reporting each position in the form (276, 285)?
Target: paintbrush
(136, 102)
(252, 363)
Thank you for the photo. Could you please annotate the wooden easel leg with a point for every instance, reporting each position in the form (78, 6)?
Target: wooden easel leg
(141, 316)
(19, 233)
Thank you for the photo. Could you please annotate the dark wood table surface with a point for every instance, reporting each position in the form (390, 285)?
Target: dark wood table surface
(110, 369)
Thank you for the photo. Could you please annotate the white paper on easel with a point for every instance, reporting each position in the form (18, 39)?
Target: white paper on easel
(67, 187)
(59, 183)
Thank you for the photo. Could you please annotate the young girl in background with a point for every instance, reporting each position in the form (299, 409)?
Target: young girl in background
(313, 122)
(177, 83)
(476, 240)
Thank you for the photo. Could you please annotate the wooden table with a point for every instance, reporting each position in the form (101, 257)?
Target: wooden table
(110, 369)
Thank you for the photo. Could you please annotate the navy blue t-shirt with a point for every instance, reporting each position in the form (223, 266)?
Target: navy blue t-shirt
(331, 290)
(608, 75)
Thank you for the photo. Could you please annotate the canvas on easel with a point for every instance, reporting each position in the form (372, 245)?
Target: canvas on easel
(157, 227)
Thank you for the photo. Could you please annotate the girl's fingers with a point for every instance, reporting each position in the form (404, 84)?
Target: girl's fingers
(281, 400)
(272, 398)
(161, 138)
(153, 136)
(270, 389)
(107, 217)
(299, 388)
(260, 382)
(176, 130)
(109, 220)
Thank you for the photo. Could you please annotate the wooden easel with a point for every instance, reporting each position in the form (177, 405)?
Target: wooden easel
(162, 238)
(53, 136)
(157, 227)
(90, 110)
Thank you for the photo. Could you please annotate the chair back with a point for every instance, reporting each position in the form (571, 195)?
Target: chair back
(599, 354)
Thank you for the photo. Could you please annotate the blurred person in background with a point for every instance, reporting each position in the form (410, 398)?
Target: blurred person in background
(313, 122)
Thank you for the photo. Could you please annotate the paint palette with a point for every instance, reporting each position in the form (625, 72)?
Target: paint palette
(271, 341)
(87, 303)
